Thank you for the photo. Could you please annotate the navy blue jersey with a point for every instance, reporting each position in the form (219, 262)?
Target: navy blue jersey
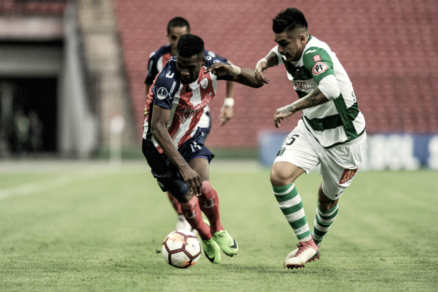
(186, 101)
(159, 59)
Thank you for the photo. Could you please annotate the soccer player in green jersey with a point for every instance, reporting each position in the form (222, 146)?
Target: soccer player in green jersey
(331, 132)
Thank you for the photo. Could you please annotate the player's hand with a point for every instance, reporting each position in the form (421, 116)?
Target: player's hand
(281, 114)
(219, 69)
(192, 179)
(261, 67)
(226, 114)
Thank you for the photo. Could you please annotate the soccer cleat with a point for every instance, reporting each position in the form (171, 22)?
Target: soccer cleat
(307, 251)
(294, 252)
(182, 223)
(211, 250)
(226, 242)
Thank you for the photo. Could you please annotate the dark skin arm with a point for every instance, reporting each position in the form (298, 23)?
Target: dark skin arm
(159, 120)
(246, 77)
(148, 86)
(314, 98)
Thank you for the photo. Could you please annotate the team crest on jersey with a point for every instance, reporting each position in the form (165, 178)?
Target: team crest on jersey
(204, 83)
(347, 175)
(162, 93)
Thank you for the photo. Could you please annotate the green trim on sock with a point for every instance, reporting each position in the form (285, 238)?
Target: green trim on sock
(288, 196)
(329, 211)
(293, 209)
(323, 224)
(329, 217)
(298, 223)
(318, 232)
(281, 189)
(301, 236)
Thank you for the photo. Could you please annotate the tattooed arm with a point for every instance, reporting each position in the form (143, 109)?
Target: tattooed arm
(271, 60)
(314, 98)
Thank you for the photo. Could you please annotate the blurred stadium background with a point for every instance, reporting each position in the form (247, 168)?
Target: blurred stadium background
(69, 68)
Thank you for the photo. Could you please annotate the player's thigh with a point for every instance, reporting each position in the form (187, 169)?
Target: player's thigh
(202, 167)
(339, 166)
(295, 157)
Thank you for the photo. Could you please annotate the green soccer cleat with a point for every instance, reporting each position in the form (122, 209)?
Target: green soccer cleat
(226, 242)
(211, 250)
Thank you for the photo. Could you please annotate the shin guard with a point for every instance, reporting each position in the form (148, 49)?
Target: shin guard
(193, 215)
(209, 204)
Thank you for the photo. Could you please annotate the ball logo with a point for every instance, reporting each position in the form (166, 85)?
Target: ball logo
(204, 83)
(162, 93)
(319, 68)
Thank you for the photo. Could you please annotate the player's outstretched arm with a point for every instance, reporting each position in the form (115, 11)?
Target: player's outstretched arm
(314, 98)
(244, 76)
(262, 66)
(159, 120)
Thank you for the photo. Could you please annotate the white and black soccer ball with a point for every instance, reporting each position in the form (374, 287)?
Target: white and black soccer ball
(181, 249)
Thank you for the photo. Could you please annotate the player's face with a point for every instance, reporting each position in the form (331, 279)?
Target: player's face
(188, 68)
(174, 34)
(291, 45)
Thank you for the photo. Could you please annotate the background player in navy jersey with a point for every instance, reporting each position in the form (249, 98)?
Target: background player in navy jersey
(177, 27)
(172, 140)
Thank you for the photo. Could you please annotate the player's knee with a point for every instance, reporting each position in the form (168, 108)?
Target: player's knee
(184, 198)
(206, 187)
(280, 178)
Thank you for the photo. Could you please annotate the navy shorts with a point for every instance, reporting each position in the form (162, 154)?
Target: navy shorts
(166, 173)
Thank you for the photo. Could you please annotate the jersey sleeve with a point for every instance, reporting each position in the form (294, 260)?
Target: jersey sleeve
(164, 87)
(211, 60)
(152, 69)
(214, 55)
(318, 62)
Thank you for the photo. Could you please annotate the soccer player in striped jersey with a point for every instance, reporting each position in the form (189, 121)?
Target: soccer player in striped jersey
(172, 139)
(177, 27)
(331, 132)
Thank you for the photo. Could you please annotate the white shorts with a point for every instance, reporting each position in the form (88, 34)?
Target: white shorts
(339, 164)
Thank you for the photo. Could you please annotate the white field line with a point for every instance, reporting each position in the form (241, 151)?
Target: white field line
(49, 184)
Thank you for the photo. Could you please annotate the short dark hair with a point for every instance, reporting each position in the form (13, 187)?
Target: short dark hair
(289, 19)
(178, 22)
(189, 45)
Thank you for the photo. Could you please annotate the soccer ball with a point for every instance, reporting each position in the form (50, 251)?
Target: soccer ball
(181, 249)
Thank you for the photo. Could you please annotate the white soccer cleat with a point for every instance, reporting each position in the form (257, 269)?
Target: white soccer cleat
(182, 223)
(307, 251)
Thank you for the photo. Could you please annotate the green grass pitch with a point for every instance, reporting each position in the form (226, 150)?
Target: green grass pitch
(86, 227)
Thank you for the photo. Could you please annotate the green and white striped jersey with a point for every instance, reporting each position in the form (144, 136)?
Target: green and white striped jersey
(339, 120)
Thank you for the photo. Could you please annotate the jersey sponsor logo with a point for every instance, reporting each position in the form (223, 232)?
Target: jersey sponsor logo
(162, 93)
(170, 74)
(316, 58)
(319, 68)
(347, 175)
(301, 85)
(204, 83)
(311, 51)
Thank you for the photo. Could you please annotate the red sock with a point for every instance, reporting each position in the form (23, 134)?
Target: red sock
(193, 215)
(176, 205)
(209, 203)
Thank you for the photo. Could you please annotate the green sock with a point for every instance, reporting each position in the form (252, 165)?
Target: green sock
(322, 223)
(291, 205)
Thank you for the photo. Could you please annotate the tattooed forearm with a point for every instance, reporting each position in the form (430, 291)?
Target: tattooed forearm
(272, 59)
(314, 98)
